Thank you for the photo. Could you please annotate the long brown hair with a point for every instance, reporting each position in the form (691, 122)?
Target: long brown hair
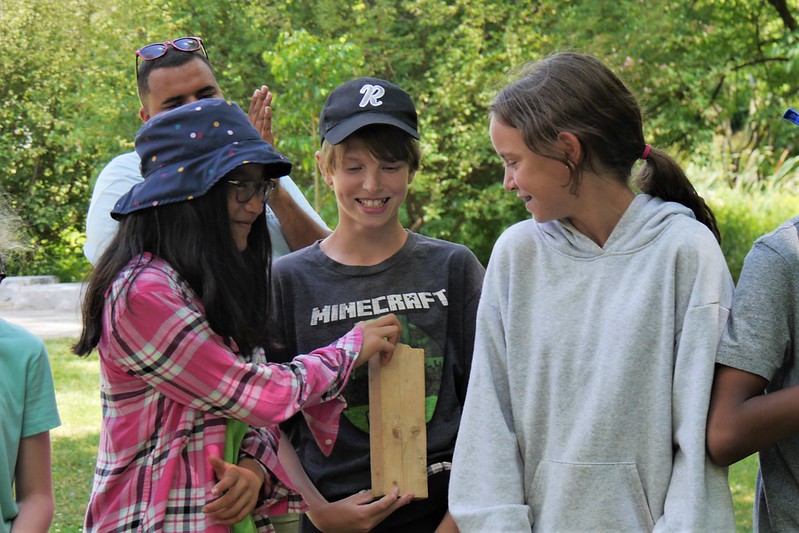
(576, 93)
(195, 238)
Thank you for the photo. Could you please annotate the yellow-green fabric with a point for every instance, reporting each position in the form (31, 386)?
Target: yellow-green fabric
(234, 434)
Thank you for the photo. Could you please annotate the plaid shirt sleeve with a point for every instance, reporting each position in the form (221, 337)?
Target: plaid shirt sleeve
(167, 341)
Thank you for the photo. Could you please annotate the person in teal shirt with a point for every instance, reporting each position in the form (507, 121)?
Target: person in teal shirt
(28, 412)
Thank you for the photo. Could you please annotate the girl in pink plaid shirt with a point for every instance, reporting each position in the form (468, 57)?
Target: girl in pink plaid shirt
(177, 308)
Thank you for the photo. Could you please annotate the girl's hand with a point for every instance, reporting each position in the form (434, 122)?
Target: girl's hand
(380, 336)
(237, 489)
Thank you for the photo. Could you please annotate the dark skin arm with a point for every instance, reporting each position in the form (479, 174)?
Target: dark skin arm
(743, 420)
(298, 228)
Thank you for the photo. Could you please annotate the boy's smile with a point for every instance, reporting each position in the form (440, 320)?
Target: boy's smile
(369, 203)
(369, 192)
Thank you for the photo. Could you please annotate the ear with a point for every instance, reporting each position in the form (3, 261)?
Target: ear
(322, 171)
(571, 147)
(143, 114)
(411, 175)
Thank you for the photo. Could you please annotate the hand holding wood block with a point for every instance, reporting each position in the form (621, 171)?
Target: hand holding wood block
(397, 430)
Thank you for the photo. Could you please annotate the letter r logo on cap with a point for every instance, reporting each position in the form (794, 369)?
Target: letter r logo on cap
(371, 95)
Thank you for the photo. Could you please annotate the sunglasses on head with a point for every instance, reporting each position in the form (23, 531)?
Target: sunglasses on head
(153, 51)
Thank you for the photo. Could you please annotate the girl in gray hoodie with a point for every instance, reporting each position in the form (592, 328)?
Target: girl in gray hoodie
(597, 325)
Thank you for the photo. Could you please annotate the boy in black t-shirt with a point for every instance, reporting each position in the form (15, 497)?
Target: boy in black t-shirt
(368, 266)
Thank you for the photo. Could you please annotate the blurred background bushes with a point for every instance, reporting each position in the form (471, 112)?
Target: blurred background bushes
(713, 78)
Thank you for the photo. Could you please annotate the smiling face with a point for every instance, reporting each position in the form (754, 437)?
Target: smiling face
(170, 87)
(541, 182)
(369, 191)
(243, 214)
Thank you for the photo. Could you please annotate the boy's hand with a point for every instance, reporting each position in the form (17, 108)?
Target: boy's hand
(358, 513)
(260, 113)
(237, 489)
(380, 336)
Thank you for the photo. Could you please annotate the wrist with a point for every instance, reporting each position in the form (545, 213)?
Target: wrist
(255, 467)
(277, 196)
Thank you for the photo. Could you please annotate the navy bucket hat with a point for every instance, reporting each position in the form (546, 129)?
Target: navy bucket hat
(187, 150)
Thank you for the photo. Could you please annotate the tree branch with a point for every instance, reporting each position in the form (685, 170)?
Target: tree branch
(785, 14)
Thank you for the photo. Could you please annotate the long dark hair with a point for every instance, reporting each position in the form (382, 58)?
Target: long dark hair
(195, 238)
(576, 93)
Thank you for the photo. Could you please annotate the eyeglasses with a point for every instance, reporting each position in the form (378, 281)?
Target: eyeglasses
(245, 190)
(153, 51)
(2, 270)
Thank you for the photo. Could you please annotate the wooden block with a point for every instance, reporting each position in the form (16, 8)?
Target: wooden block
(397, 430)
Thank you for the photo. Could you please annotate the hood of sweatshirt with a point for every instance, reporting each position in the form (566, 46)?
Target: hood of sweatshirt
(645, 219)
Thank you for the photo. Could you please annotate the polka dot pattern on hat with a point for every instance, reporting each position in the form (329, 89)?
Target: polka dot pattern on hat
(187, 150)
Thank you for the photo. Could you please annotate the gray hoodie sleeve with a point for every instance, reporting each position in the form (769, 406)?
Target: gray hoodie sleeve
(495, 502)
(698, 496)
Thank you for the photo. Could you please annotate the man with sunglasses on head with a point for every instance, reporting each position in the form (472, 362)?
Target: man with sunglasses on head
(171, 74)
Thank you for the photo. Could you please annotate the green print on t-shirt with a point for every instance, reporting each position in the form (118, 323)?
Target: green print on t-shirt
(357, 390)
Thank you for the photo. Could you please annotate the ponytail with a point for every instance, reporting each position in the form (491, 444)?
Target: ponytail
(576, 93)
(661, 176)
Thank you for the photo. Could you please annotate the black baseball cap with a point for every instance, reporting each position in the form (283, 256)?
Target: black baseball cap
(364, 101)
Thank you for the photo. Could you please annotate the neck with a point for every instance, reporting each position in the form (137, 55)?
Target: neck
(603, 203)
(364, 246)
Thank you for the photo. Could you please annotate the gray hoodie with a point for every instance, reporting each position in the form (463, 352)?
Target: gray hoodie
(591, 379)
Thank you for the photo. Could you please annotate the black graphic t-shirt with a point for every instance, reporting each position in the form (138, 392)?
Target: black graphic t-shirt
(433, 286)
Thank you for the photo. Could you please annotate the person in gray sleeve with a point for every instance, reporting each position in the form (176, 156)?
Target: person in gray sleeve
(755, 402)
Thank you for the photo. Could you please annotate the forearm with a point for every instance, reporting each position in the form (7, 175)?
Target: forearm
(297, 475)
(34, 484)
(742, 420)
(298, 227)
(35, 513)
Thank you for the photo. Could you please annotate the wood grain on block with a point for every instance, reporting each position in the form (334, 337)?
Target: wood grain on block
(397, 431)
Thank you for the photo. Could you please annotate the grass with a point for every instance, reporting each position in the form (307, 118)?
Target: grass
(75, 442)
(742, 484)
(743, 216)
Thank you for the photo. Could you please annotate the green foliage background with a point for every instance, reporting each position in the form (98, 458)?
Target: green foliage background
(713, 77)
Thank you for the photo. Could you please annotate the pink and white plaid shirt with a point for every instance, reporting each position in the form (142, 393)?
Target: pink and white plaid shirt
(168, 384)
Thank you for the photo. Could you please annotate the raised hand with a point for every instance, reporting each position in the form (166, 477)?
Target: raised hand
(260, 113)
